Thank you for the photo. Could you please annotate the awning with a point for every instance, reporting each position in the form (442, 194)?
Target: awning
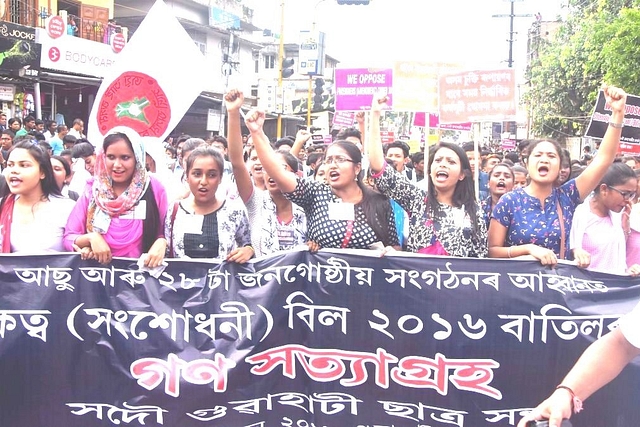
(49, 77)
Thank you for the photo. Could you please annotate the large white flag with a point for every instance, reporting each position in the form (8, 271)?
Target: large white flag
(158, 75)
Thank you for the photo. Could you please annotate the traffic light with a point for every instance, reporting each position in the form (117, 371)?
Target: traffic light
(287, 67)
(362, 2)
(318, 90)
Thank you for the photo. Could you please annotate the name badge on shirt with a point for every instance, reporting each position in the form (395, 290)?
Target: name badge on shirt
(139, 211)
(342, 211)
(101, 221)
(193, 224)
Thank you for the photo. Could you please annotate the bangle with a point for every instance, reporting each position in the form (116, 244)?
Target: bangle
(616, 125)
(250, 247)
(575, 400)
(380, 172)
(509, 251)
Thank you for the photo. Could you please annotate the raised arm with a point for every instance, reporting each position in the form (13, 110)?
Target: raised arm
(286, 180)
(360, 116)
(592, 175)
(233, 101)
(302, 137)
(374, 144)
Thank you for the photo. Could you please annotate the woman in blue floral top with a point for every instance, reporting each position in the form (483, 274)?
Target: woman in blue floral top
(447, 221)
(536, 219)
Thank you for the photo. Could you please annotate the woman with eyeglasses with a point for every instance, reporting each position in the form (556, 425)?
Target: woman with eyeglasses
(601, 224)
(446, 219)
(536, 220)
(343, 214)
(277, 224)
(122, 210)
(33, 213)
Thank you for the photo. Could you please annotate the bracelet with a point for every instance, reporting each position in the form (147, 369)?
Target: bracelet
(251, 247)
(616, 125)
(380, 172)
(509, 251)
(575, 400)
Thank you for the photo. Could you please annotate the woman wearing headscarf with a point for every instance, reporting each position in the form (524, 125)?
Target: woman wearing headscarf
(122, 210)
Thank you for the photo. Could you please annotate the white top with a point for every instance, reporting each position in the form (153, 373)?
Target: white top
(602, 237)
(45, 232)
(629, 326)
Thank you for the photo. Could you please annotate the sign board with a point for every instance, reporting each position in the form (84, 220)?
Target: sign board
(415, 85)
(222, 19)
(356, 87)
(387, 136)
(343, 119)
(20, 52)
(75, 55)
(475, 96)
(7, 92)
(267, 95)
(311, 53)
(55, 26)
(214, 118)
(600, 121)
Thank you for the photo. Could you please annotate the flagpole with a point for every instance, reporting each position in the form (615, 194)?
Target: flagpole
(280, 60)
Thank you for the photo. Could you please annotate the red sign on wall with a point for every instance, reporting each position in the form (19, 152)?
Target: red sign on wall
(56, 27)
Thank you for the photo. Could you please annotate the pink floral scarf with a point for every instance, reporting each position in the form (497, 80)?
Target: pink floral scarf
(104, 198)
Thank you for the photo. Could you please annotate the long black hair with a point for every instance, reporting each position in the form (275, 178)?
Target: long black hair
(463, 194)
(617, 174)
(376, 206)
(41, 156)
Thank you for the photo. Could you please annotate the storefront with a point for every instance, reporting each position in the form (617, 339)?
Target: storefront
(19, 69)
(72, 69)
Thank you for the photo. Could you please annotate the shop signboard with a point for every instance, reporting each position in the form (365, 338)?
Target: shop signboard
(19, 53)
(76, 55)
(7, 92)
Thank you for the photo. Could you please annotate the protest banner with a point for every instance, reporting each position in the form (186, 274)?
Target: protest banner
(415, 84)
(630, 138)
(335, 338)
(476, 96)
(356, 87)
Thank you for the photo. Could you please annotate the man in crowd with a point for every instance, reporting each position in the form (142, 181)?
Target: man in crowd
(52, 130)
(397, 153)
(6, 142)
(77, 128)
(57, 142)
(483, 177)
(28, 126)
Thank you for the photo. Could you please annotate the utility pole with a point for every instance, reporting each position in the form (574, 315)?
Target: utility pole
(511, 17)
(280, 68)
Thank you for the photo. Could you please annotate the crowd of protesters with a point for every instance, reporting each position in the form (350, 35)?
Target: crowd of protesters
(238, 197)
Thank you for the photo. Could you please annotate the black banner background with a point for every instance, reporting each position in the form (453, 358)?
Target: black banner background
(40, 379)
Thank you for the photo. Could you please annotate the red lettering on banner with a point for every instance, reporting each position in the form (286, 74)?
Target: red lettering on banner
(151, 372)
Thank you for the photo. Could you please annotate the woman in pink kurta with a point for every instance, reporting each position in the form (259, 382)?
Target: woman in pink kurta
(122, 210)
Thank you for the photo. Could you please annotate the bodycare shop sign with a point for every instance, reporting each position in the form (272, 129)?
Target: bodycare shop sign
(76, 55)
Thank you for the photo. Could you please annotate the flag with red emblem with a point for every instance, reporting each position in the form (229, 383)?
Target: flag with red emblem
(158, 75)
